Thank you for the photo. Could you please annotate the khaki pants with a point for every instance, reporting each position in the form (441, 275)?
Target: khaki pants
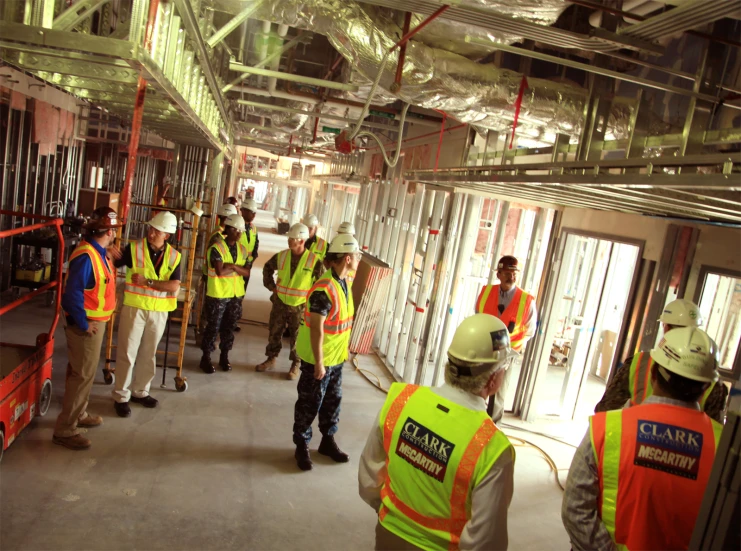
(388, 541)
(83, 352)
(139, 334)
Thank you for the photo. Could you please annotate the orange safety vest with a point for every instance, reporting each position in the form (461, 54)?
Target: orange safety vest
(100, 300)
(654, 462)
(513, 316)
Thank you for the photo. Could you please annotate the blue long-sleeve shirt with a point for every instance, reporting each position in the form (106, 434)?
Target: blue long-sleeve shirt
(79, 277)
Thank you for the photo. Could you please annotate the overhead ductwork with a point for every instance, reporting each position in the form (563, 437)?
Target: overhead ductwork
(432, 78)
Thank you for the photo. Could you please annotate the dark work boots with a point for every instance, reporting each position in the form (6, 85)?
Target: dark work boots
(330, 448)
(206, 365)
(303, 457)
(224, 362)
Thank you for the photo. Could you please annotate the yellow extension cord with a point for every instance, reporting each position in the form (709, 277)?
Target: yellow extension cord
(522, 442)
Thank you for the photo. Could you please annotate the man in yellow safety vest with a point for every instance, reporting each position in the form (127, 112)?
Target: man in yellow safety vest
(323, 346)
(297, 270)
(348, 228)
(516, 309)
(150, 294)
(315, 244)
(222, 306)
(435, 467)
(631, 384)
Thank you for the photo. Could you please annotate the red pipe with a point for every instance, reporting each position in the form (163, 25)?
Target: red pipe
(316, 128)
(28, 296)
(440, 141)
(396, 86)
(410, 34)
(60, 269)
(136, 121)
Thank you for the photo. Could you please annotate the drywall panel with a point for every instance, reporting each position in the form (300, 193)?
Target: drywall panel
(650, 230)
(717, 246)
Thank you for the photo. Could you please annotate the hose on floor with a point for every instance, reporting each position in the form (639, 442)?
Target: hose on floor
(548, 458)
(365, 373)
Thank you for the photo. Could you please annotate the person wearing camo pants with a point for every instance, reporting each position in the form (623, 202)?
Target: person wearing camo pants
(297, 269)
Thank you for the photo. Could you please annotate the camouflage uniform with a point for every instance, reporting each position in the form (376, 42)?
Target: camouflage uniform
(317, 397)
(282, 315)
(617, 394)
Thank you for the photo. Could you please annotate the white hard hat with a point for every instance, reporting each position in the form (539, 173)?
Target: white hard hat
(344, 244)
(682, 313)
(227, 209)
(311, 221)
(235, 221)
(164, 221)
(480, 341)
(688, 352)
(250, 204)
(298, 231)
(346, 227)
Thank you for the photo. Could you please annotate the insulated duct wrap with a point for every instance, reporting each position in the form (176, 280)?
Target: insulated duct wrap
(432, 78)
(288, 122)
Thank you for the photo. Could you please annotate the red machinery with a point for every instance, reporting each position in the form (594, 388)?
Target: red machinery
(25, 370)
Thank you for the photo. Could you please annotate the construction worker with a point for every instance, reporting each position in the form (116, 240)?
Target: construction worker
(347, 228)
(88, 300)
(152, 286)
(322, 345)
(249, 237)
(638, 478)
(297, 269)
(631, 384)
(435, 467)
(315, 244)
(222, 307)
(516, 309)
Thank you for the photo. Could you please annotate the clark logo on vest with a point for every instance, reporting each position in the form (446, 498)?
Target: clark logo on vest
(668, 448)
(423, 449)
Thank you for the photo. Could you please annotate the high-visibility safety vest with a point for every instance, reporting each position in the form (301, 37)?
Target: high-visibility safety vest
(230, 285)
(100, 301)
(640, 380)
(437, 451)
(319, 247)
(292, 288)
(141, 296)
(350, 277)
(654, 462)
(249, 244)
(513, 316)
(217, 233)
(337, 324)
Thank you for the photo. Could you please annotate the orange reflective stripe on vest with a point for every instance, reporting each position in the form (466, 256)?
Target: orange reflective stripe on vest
(513, 316)
(100, 301)
(654, 462)
(453, 524)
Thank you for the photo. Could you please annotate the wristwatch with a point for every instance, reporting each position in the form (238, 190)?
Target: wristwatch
(150, 282)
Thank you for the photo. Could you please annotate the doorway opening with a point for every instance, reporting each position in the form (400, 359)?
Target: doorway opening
(593, 288)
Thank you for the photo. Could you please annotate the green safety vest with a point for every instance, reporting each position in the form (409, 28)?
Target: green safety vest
(640, 380)
(217, 233)
(143, 297)
(437, 451)
(249, 245)
(319, 247)
(292, 289)
(225, 286)
(337, 324)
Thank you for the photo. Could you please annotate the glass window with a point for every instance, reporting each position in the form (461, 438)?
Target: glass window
(720, 305)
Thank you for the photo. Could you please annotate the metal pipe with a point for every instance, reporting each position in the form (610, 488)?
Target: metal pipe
(396, 86)
(234, 66)
(233, 23)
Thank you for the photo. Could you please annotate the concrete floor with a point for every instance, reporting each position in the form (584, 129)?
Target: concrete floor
(213, 468)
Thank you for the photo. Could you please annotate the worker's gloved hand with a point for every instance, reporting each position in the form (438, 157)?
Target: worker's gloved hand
(319, 371)
(114, 253)
(138, 279)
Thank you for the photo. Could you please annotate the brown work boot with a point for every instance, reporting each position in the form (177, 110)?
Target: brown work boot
(303, 457)
(293, 373)
(267, 365)
(329, 447)
(76, 442)
(90, 421)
